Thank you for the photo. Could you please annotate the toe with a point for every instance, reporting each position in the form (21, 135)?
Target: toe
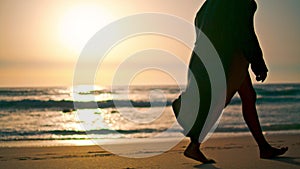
(209, 161)
(283, 150)
(273, 152)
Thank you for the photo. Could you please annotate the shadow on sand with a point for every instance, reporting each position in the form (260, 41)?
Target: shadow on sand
(206, 166)
(289, 160)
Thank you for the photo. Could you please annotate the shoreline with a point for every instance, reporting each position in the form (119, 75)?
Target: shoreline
(231, 153)
(90, 142)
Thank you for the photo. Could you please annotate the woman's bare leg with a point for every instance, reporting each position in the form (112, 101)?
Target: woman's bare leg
(193, 149)
(248, 97)
(193, 152)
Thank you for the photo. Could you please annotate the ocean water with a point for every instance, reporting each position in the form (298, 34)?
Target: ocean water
(48, 113)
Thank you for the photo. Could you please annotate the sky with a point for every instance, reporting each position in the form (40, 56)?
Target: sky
(41, 40)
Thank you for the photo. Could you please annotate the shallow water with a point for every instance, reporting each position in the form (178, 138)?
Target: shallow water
(47, 114)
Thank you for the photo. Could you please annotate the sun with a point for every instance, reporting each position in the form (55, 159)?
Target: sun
(80, 23)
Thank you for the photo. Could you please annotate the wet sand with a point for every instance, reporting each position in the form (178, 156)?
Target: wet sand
(229, 153)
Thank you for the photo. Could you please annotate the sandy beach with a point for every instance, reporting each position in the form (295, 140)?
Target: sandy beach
(229, 153)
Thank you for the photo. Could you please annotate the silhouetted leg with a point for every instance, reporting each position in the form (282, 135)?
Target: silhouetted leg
(193, 152)
(248, 97)
(202, 84)
(193, 149)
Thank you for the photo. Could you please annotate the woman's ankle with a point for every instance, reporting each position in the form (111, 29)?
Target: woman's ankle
(264, 146)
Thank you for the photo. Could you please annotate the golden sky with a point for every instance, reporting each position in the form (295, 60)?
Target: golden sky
(40, 40)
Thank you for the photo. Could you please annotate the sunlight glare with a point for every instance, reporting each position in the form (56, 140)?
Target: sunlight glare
(80, 23)
(85, 93)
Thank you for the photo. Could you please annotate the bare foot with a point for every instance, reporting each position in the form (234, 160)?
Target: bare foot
(193, 152)
(272, 152)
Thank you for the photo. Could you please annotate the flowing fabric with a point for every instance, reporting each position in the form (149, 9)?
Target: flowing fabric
(229, 26)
